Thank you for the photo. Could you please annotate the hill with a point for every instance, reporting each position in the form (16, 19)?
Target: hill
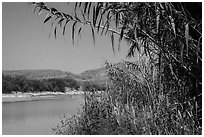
(97, 76)
(37, 74)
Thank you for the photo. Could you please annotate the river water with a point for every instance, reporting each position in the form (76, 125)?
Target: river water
(38, 117)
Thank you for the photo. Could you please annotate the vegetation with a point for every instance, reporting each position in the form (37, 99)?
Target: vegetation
(90, 86)
(162, 91)
(22, 84)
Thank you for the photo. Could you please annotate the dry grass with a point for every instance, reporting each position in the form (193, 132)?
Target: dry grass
(133, 106)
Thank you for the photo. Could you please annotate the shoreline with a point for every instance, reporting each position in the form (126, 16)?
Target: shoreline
(19, 97)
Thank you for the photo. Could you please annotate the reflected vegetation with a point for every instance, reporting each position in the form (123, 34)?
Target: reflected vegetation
(38, 117)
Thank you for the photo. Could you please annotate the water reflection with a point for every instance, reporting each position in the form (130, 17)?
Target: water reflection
(37, 117)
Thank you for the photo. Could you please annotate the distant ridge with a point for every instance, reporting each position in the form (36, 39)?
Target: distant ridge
(37, 74)
(97, 76)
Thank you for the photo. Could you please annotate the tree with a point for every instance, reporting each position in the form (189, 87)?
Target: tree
(169, 35)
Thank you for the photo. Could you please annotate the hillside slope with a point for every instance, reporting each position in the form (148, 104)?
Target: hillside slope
(97, 76)
(37, 74)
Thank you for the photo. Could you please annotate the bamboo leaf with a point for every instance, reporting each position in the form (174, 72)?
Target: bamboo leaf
(85, 6)
(55, 32)
(83, 15)
(80, 4)
(47, 19)
(117, 19)
(131, 50)
(53, 10)
(187, 36)
(173, 25)
(89, 9)
(135, 33)
(65, 26)
(145, 47)
(73, 31)
(108, 15)
(107, 28)
(79, 32)
(35, 9)
(54, 22)
(30, 3)
(182, 48)
(103, 28)
(93, 34)
(40, 11)
(157, 21)
(97, 12)
(121, 33)
(112, 42)
(77, 17)
(136, 38)
(60, 22)
(99, 24)
(94, 16)
(198, 48)
(75, 6)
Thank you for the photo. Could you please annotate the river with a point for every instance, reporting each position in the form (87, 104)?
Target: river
(38, 117)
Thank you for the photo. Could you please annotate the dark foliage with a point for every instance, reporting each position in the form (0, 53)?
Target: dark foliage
(90, 86)
(22, 84)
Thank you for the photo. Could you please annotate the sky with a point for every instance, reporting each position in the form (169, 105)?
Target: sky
(26, 43)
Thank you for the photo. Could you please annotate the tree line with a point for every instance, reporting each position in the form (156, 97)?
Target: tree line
(22, 84)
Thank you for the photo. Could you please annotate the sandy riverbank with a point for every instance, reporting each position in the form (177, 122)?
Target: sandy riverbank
(35, 96)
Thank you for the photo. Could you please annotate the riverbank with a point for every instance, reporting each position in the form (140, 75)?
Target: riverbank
(35, 96)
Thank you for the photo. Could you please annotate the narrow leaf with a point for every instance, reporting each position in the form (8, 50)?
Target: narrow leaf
(79, 32)
(145, 47)
(121, 33)
(89, 9)
(187, 36)
(131, 51)
(53, 10)
(108, 15)
(173, 25)
(99, 24)
(103, 28)
(93, 35)
(73, 31)
(47, 19)
(75, 6)
(55, 32)
(54, 22)
(86, 4)
(112, 42)
(117, 19)
(198, 48)
(107, 28)
(40, 11)
(60, 22)
(80, 4)
(35, 9)
(135, 33)
(157, 21)
(121, 36)
(65, 27)
(83, 15)
(77, 17)
(94, 16)
(182, 48)
(97, 12)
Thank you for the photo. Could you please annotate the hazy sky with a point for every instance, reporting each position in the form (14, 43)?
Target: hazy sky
(26, 43)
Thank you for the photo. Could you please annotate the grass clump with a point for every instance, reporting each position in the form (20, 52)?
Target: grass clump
(133, 105)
